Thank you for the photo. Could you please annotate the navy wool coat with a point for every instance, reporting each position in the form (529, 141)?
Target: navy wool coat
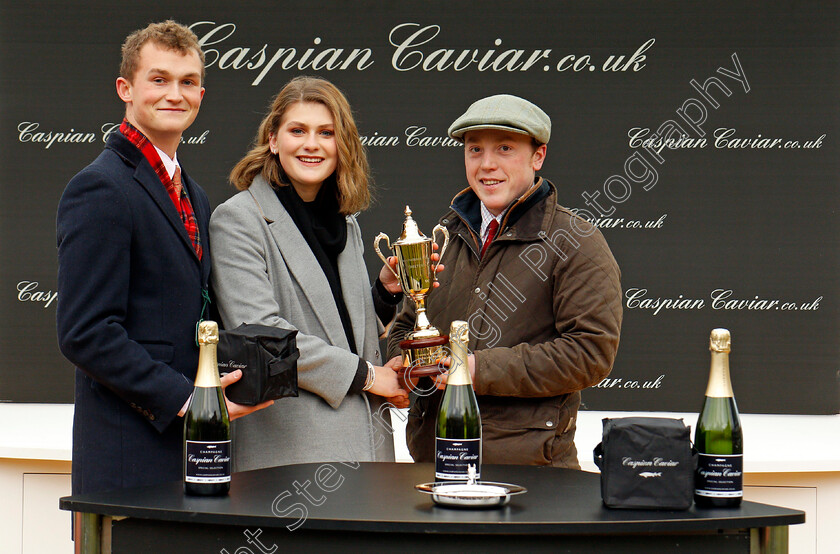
(129, 297)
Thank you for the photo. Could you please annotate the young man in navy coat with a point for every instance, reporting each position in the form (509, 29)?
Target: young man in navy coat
(133, 268)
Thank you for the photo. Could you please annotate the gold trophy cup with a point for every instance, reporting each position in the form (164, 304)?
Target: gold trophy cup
(423, 347)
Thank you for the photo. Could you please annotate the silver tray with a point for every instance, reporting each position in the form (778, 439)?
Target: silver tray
(482, 494)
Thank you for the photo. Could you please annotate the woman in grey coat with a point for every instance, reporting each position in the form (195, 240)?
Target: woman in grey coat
(287, 252)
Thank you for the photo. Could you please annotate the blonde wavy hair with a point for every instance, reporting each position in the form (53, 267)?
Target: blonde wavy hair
(352, 174)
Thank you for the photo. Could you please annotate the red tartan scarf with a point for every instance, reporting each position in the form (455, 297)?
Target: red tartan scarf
(173, 186)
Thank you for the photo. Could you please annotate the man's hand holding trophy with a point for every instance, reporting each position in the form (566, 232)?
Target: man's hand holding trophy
(424, 346)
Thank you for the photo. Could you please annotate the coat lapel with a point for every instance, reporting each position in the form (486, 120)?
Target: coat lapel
(352, 272)
(301, 261)
(146, 177)
(149, 180)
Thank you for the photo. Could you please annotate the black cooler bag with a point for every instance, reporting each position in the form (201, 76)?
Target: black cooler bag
(267, 357)
(646, 462)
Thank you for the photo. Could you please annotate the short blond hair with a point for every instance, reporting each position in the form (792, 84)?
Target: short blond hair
(352, 174)
(168, 34)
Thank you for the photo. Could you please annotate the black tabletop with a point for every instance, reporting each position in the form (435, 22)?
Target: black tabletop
(381, 497)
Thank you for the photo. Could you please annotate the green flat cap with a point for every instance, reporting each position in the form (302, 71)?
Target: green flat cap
(505, 112)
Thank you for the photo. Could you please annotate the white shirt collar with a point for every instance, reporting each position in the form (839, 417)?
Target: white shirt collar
(486, 218)
(169, 163)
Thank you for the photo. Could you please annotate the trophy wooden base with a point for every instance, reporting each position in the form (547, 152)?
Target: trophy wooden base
(421, 357)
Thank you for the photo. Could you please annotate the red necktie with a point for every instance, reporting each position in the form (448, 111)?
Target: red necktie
(176, 181)
(185, 210)
(491, 234)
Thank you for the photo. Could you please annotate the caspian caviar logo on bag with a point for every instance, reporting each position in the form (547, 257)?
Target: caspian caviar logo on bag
(655, 462)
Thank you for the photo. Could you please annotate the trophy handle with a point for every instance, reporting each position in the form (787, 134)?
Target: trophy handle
(376, 242)
(445, 232)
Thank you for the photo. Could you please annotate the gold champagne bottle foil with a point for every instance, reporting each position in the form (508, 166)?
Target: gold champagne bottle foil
(459, 337)
(208, 332)
(720, 340)
(208, 368)
(720, 384)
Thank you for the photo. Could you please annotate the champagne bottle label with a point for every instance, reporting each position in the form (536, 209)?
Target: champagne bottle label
(454, 456)
(207, 462)
(720, 476)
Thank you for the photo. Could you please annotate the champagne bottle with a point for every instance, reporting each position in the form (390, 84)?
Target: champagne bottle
(718, 437)
(458, 427)
(206, 423)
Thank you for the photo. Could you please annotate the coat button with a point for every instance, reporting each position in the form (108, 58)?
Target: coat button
(509, 234)
(445, 221)
(477, 290)
(549, 424)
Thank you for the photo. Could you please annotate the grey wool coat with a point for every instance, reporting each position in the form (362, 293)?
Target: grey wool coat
(264, 272)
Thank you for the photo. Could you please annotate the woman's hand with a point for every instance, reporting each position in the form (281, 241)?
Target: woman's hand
(238, 410)
(387, 383)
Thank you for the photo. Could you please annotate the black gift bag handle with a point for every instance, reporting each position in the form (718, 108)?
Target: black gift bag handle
(281, 365)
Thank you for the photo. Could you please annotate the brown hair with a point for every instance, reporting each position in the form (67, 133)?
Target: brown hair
(168, 34)
(352, 172)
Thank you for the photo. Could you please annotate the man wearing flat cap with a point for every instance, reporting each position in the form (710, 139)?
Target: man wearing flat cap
(538, 285)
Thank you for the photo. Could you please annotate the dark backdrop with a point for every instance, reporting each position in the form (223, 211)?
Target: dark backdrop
(694, 225)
